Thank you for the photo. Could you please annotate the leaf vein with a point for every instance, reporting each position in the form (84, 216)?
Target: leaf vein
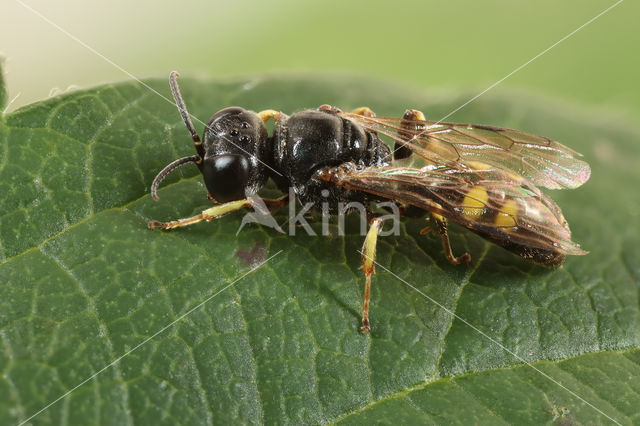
(101, 324)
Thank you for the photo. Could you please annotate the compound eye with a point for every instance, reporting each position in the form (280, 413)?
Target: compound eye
(226, 176)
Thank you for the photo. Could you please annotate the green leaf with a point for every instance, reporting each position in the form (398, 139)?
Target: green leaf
(84, 282)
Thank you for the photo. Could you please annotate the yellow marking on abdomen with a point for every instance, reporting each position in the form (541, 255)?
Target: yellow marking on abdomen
(477, 165)
(474, 202)
(507, 214)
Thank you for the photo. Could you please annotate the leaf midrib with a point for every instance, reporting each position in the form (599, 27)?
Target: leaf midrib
(453, 379)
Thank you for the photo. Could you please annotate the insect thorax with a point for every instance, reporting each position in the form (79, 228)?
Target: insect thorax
(311, 140)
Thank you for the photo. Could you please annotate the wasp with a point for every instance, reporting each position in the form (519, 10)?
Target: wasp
(485, 178)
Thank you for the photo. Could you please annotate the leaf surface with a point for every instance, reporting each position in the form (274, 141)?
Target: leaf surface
(84, 282)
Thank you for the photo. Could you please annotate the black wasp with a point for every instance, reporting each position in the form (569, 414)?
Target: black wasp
(485, 178)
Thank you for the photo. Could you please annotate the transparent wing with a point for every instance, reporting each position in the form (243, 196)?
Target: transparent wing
(540, 160)
(493, 203)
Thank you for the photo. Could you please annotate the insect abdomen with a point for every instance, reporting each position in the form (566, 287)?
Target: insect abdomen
(509, 221)
(542, 256)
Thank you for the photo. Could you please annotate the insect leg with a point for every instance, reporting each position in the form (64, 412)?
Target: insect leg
(175, 90)
(276, 202)
(208, 214)
(272, 202)
(441, 228)
(368, 267)
(410, 121)
(366, 111)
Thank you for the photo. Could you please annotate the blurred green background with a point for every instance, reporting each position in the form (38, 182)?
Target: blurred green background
(446, 45)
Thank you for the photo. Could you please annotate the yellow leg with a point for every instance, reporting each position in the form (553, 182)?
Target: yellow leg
(271, 202)
(441, 228)
(368, 267)
(208, 214)
(366, 111)
(269, 113)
